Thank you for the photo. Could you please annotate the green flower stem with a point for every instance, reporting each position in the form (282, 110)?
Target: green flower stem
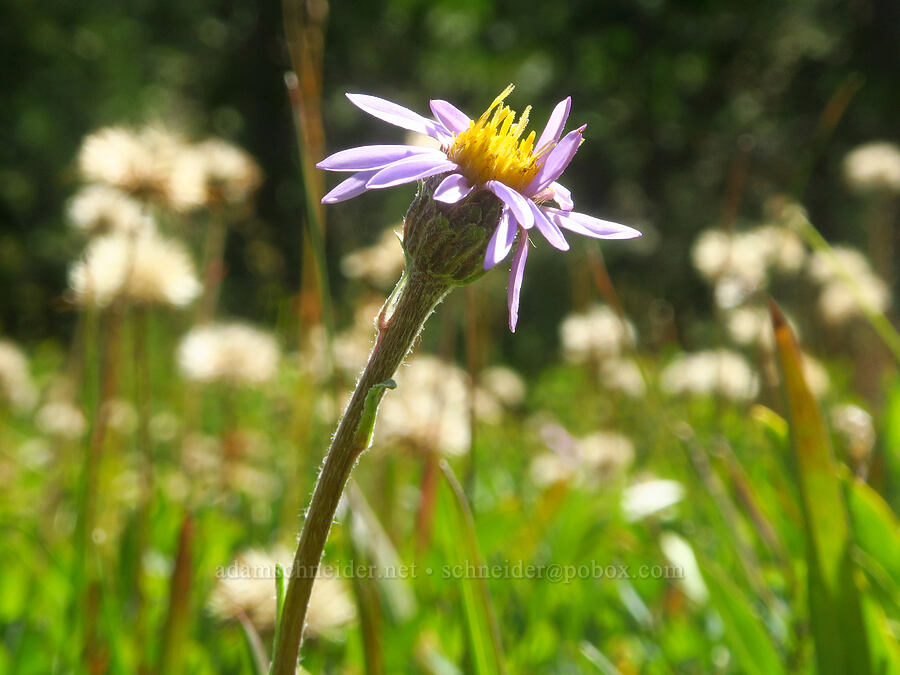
(404, 314)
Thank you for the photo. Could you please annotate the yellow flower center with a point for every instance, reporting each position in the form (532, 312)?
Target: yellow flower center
(490, 148)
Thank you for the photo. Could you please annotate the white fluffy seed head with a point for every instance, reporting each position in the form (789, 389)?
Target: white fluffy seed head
(856, 428)
(721, 372)
(137, 161)
(738, 264)
(144, 268)
(17, 389)
(233, 353)
(592, 460)
(101, 209)
(624, 376)
(61, 419)
(596, 334)
(505, 384)
(380, 264)
(873, 167)
(842, 299)
(214, 172)
(247, 587)
(429, 409)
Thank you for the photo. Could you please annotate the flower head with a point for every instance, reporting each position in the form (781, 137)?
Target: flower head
(144, 268)
(491, 153)
(719, 372)
(872, 167)
(16, 386)
(214, 172)
(136, 161)
(247, 588)
(101, 209)
(232, 352)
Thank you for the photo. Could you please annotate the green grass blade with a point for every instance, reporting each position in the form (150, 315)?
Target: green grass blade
(481, 622)
(876, 528)
(745, 632)
(836, 616)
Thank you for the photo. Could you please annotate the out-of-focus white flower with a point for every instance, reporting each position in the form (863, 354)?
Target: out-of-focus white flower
(121, 416)
(711, 253)
(213, 172)
(873, 166)
(101, 209)
(380, 264)
(596, 334)
(35, 453)
(505, 384)
(623, 375)
(61, 419)
(815, 375)
(824, 268)
(144, 268)
(351, 346)
(596, 458)
(429, 409)
(750, 325)
(164, 426)
(247, 587)
(16, 386)
(650, 497)
(783, 248)
(234, 353)
(681, 555)
(741, 255)
(721, 372)
(855, 426)
(738, 263)
(839, 301)
(139, 162)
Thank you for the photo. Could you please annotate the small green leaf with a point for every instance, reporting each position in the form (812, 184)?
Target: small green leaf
(366, 428)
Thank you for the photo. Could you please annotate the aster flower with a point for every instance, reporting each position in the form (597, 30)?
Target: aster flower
(483, 154)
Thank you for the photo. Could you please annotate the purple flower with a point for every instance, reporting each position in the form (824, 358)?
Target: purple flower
(487, 154)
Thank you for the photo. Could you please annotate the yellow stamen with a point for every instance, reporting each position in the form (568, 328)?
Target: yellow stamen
(490, 148)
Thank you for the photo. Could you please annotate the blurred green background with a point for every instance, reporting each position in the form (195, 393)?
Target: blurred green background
(656, 435)
(681, 100)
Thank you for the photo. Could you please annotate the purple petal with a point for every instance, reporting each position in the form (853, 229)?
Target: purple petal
(408, 170)
(581, 223)
(353, 186)
(549, 229)
(517, 203)
(556, 161)
(556, 123)
(502, 240)
(398, 115)
(450, 116)
(514, 286)
(562, 196)
(453, 188)
(372, 157)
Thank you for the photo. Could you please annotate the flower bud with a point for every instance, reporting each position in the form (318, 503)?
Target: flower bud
(448, 241)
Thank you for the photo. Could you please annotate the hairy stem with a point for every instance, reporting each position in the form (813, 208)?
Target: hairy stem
(399, 325)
